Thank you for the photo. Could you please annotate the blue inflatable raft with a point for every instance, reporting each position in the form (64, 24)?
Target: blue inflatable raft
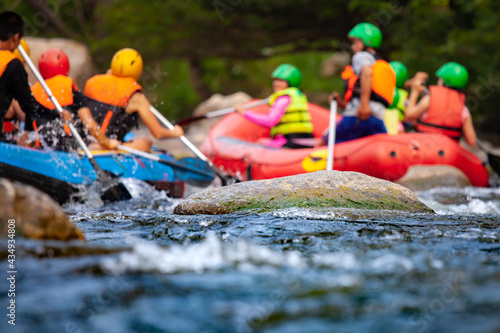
(63, 174)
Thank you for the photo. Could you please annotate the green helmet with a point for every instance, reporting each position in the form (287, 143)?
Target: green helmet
(368, 33)
(289, 73)
(454, 75)
(401, 73)
(395, 100)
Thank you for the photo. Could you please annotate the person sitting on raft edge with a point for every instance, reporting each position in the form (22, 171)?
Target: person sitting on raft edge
(116, 102)
(371, 85)
(13, 77)
(443, 110)
(54, 68)
(288, 118)
(395, 113)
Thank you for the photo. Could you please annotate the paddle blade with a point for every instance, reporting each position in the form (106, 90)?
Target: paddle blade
(115, 192)
(494, 161)
(202, 175)
(188, 120)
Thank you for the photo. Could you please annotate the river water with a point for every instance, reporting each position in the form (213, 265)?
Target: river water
(145, 269)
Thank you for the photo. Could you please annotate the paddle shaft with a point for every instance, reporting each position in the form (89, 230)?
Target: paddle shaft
(100, 173)
(221, 112)
(161, 160)
(493, 159)
(187, 143)
(331, 134)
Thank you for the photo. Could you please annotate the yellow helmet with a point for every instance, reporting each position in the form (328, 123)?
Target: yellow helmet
(25, 47)
(127, 63)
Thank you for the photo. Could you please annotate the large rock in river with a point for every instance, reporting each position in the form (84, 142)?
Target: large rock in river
(36, 215)
(318, 189)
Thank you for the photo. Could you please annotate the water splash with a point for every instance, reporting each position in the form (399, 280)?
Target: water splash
(210, 254)
(464, 201)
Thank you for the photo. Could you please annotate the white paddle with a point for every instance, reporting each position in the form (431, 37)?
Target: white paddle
(331, 134)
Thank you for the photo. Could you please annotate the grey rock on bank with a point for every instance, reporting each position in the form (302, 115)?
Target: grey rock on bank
(319, 189)
(36, 214)
(425, 177)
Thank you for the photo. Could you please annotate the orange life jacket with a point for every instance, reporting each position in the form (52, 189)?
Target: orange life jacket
(445, 112)
(5, 58)
(349, 78)
(383, 83)
(107, 96)
(61, 86)
(111, 89)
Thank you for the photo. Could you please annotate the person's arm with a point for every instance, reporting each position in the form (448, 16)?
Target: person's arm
(95, 130)
(19, 88)
(362, 66)
(271, 118)
(419, 78)
(364, 111)
(140, 104)
(469, 132)
(15, 112)
(340, 100)
(415, 109)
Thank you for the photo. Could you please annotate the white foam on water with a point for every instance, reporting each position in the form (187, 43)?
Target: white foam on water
(477, 206)
(139, 189)
(436, 206)
(210, 254)
(307, 214)
(478, 200)
(389, 263)
(339, 260)
(384, 263)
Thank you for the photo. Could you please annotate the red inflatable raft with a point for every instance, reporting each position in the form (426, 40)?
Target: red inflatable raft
(234, 145)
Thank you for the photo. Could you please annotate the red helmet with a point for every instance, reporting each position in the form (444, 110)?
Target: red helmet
(53, 62)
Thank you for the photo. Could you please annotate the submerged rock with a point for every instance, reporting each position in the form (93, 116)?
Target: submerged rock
(36, 214)
(318, 189)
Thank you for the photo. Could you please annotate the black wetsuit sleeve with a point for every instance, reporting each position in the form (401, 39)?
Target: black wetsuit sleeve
(79, 101)
(20, 90)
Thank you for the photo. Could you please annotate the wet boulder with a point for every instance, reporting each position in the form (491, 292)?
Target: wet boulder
(425, 177)
(36, 214)
(321, 189)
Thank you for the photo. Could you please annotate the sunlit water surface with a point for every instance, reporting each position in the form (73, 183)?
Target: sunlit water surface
(145, 269)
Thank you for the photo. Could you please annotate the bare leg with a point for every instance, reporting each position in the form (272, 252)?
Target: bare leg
(141, 143)
(15, 112)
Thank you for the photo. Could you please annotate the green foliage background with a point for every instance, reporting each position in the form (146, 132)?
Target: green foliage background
(233, 45)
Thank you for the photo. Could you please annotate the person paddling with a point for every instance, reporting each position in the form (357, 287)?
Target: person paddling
(288, 118)
(116, 102)
(54, 67)
(370, 89)
(13, 76)
(13, 124)
(443, 110)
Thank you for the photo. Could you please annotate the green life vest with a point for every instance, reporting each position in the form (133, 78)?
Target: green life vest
(296, 118)
(396, 112)
(400, 105)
